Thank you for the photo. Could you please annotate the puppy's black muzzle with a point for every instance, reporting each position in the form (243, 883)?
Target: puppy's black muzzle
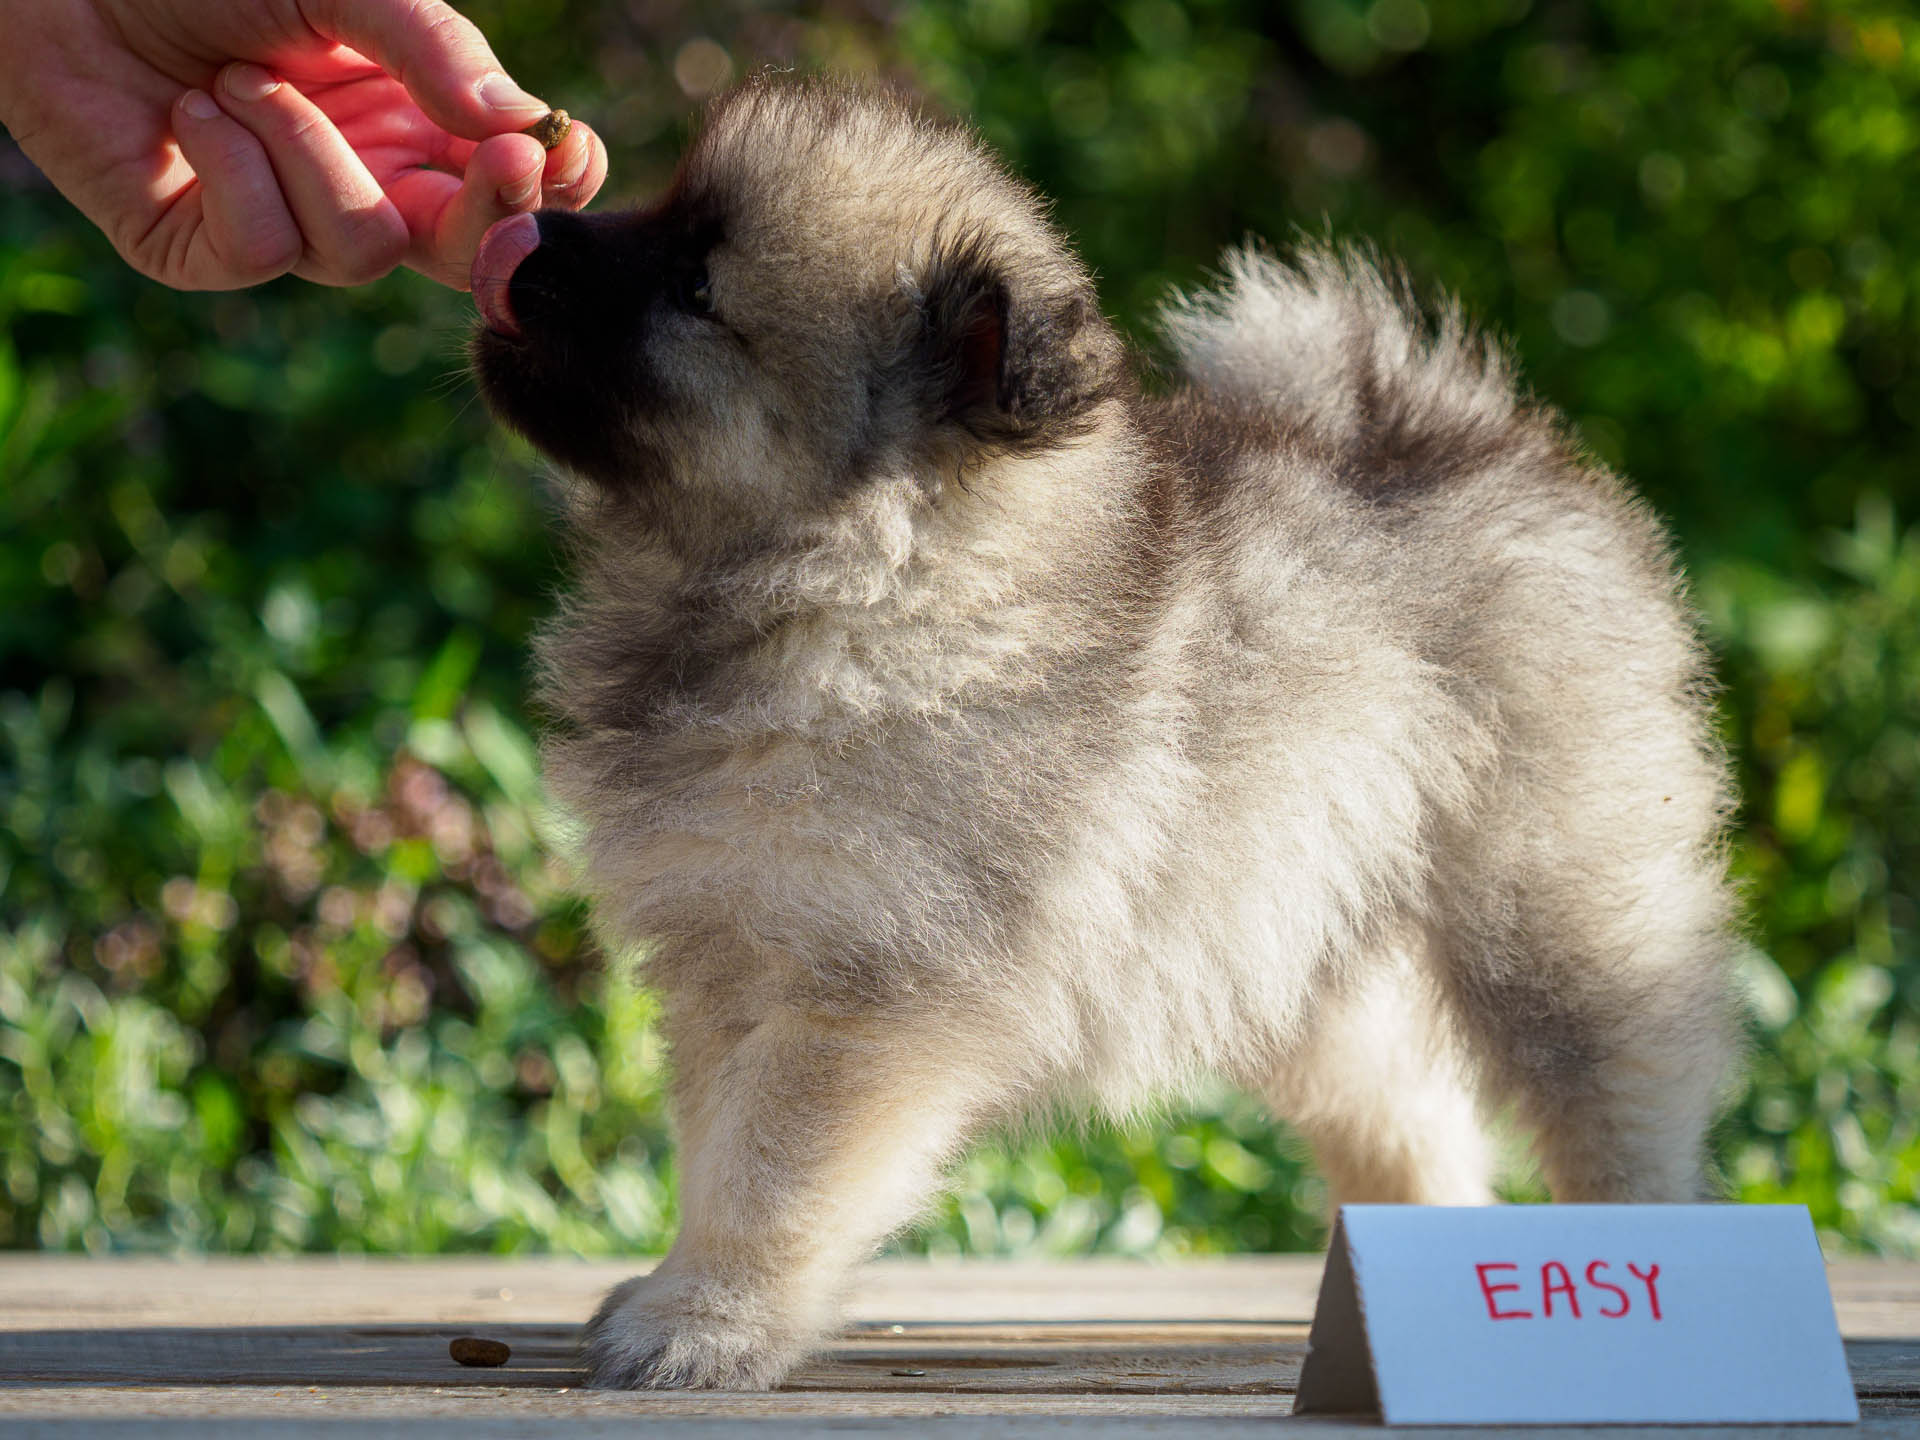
(562, 356)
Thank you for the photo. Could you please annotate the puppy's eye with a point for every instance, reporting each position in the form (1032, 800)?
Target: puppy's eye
(696, 292)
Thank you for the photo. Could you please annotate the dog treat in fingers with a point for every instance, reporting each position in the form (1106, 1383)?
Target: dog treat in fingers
(550, 129)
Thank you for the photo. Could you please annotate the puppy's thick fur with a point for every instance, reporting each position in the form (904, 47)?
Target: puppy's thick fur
(960, 733)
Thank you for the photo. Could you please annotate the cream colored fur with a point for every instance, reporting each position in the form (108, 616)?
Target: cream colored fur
(1335, 727)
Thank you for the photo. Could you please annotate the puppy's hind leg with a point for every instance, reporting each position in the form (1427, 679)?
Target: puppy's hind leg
(804, 1140)
(1380, 1092)
(1602, 1008)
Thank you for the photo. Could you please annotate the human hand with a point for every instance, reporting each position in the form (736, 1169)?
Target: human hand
(220, 143)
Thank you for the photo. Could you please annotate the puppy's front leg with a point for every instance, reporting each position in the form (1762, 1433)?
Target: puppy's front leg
(803, 1143)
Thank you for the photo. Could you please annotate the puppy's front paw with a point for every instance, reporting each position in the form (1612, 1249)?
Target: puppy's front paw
(652, 1334)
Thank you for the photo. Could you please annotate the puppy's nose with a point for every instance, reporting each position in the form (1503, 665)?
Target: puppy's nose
(506, 243)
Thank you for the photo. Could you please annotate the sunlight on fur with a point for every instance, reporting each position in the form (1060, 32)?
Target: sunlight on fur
(966, 735)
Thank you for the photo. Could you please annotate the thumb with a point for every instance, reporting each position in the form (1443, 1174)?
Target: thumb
(438, 54)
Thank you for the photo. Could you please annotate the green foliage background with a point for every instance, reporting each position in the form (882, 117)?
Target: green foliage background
(287, 959)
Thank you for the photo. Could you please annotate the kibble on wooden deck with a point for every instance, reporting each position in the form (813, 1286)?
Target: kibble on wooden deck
(472, 1350)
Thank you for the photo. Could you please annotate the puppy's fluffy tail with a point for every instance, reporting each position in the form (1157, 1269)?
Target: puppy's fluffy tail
(1327, 342)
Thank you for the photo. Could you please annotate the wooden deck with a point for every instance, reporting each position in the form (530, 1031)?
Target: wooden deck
(336, 1348)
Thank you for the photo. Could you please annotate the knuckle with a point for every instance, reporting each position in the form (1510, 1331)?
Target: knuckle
(165, 263)
(239, 151)
(438, 29)
(371, 248)
(161, 249)
(437, 18)
(304, 128)
(267, 252)
(440, 24)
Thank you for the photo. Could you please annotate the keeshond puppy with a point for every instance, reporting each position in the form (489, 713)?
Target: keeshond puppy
(960, 733)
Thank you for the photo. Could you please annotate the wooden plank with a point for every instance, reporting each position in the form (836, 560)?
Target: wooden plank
(1122, 1359)
(415, 1415)
(56, 1290)
(1874, 1299)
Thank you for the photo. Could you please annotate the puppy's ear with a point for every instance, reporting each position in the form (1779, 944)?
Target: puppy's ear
(1011, 354)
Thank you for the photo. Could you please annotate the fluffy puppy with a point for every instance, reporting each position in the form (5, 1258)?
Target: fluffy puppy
(959, 733)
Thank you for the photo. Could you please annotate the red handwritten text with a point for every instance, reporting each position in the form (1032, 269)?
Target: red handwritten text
(1560, 1294)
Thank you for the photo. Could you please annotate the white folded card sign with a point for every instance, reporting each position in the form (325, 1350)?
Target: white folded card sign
(1576, 1314)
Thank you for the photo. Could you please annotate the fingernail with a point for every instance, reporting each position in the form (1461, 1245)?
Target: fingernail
(498, 92)
(520, 191)
(572, 175)
(200, 105)
(249, 82)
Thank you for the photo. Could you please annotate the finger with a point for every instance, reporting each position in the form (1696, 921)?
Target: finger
(448, 215)
(369, 108)
(576, 169)
(353, 232)
(309, 65)
(245, 233)
(438, 54)
(376, 116)
(391, 134)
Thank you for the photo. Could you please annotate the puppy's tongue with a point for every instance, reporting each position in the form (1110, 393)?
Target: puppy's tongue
(506, 243)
